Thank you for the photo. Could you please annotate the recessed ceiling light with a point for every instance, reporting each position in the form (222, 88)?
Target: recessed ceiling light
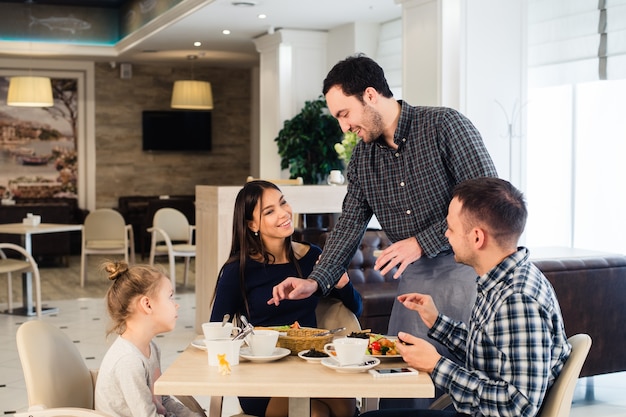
(196, 43)
(262, 16)
(226, 32)
(243, 3)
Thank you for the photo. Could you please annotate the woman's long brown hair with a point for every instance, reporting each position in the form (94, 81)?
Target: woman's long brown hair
(245, 243)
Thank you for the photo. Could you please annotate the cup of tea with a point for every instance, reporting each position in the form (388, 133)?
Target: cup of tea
(262, 342)
(228, 347)
(215, 330)
(347, 350)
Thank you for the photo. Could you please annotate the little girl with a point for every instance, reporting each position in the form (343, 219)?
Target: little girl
(141, 305)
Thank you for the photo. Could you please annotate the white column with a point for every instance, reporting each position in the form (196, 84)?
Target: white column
(292, 68)
(431, 52)
(471, 56)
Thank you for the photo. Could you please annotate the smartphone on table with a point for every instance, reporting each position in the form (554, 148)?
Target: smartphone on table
(391, 372)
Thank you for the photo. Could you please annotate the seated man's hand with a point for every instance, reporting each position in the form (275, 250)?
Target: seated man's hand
(293, 289)
(418, 353)
(423, 304)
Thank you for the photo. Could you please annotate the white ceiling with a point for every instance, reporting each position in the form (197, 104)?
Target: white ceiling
(211, 17)
(169, 37)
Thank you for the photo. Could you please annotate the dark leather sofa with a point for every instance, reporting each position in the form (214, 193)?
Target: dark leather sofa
(591, 291)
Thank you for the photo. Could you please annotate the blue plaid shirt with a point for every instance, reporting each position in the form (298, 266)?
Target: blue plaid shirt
(408, 189)
(514, 348)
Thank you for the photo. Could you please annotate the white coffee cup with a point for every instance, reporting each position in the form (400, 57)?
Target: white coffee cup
(227, 347)
(215, 330)
(335, 177)
(347, 350)
(262, 342)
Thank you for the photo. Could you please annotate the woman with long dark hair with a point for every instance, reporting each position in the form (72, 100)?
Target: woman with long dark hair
(262, 255)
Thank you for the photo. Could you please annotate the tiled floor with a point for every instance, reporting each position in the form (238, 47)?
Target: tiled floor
(85, 320)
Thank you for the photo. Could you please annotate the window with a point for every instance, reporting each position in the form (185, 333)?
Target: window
(577, 166)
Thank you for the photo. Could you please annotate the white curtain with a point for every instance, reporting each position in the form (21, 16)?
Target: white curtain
(563, 42)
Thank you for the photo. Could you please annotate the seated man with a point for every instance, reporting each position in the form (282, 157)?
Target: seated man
(515, 344)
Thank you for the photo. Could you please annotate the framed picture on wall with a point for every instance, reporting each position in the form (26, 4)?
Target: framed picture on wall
(38, 145)
(44, 151)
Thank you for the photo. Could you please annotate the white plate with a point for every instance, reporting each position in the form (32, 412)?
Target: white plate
(386, 356)
(309, 358)
(333, 364)
(279, 353)
(199, 344)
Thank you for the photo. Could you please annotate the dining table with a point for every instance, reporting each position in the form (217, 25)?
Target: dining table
(26, 231)
(290, 376)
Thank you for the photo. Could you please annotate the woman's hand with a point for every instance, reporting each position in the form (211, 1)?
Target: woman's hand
(343, 281)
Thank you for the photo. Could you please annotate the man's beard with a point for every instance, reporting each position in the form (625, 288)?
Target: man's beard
(375, 127)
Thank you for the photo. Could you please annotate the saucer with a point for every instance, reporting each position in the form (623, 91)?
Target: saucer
(311, 359)
(199, 344)
(368, 363)
(279, 353)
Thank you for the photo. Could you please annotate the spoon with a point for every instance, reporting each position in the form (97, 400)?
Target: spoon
(333, 331)
(246, 324)
(225, 319)
(244, 332)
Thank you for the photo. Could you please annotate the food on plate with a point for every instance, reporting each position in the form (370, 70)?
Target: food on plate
(312, 353)
(295, 325)
(380, 345)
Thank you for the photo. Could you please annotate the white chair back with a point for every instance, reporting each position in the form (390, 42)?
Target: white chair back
(104, 224)
(173, 222)
(558, 400)
(105, 232)
(54, 370)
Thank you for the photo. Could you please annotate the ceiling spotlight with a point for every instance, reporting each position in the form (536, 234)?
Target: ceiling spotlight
(226, 32)
(262, 16)
(196, 43)
(244, 3)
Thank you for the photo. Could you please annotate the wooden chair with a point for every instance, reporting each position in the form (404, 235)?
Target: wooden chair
(28, 264)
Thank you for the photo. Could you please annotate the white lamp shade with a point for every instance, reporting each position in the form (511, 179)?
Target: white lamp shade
(192, 95)
(30, 92)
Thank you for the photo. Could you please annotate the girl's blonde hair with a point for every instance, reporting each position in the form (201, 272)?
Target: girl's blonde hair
(128, 284)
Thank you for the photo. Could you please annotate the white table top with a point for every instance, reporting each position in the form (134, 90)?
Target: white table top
(22, 229)
(190, 374)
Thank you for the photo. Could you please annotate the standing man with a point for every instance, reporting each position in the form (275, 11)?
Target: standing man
(514, 346)
(403, 170)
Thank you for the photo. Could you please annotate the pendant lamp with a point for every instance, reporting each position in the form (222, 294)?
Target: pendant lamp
(192, 94)
(28, 91)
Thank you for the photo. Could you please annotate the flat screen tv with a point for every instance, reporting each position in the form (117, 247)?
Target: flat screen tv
(176, 130)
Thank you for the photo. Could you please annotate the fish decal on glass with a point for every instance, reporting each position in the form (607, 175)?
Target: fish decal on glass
(66, 24)
(145, 6)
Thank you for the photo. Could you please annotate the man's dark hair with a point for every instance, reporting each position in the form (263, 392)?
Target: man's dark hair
(354, 74)
(497, 204)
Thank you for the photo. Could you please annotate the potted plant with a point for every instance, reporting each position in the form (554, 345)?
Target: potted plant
(306, 143)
